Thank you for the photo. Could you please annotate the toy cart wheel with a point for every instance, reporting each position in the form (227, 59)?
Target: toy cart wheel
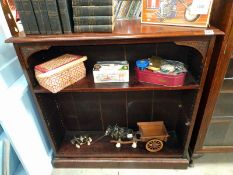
(154, 145)
(189, 16)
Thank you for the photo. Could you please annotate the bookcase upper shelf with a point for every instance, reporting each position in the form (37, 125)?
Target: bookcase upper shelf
(124, 30)
(87, 85)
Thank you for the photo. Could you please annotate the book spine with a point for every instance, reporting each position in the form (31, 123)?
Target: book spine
(23, 19)
(39, 17)
(44, 12)
(136, 9)
(54, 18)
(138, 14)
(121, 10)
(93, 20)
(92, 2)
(93, 10)
(65, 15)
(132, 10)
(126, 9)
(30, 17)
(93, 28)
(118, 9)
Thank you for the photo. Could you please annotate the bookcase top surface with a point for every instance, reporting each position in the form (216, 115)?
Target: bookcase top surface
(124, 30)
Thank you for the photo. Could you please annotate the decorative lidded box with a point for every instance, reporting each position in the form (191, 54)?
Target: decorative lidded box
(147, 76)
(157, 70)
(60, 72)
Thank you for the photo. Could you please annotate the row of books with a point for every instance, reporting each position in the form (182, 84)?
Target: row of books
(93, 15)
(66, 16)
(128, 9)
(45, 16)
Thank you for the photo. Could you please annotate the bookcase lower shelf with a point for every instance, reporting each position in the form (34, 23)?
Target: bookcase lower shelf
(103, 148)
(104, 153)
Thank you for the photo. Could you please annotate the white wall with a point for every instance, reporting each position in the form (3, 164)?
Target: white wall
(18, 115)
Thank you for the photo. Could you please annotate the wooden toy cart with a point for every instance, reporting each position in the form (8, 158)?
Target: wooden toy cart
(153, 133)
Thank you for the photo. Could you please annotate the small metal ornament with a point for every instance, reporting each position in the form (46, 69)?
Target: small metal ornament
(81, 140)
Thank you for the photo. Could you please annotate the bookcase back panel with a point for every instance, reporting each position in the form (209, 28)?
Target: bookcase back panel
(95, 111)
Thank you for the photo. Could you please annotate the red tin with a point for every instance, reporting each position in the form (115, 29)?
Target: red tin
(148, 76)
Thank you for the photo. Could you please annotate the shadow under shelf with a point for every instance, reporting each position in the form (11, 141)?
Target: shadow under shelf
(87, 85)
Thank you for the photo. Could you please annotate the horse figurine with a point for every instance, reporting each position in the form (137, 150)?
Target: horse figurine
(120, 135)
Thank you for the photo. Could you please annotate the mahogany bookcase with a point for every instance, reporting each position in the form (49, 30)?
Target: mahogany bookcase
(86, 107)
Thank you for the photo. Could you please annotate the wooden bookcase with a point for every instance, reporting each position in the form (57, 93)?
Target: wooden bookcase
(214, 127)
(89, 107)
